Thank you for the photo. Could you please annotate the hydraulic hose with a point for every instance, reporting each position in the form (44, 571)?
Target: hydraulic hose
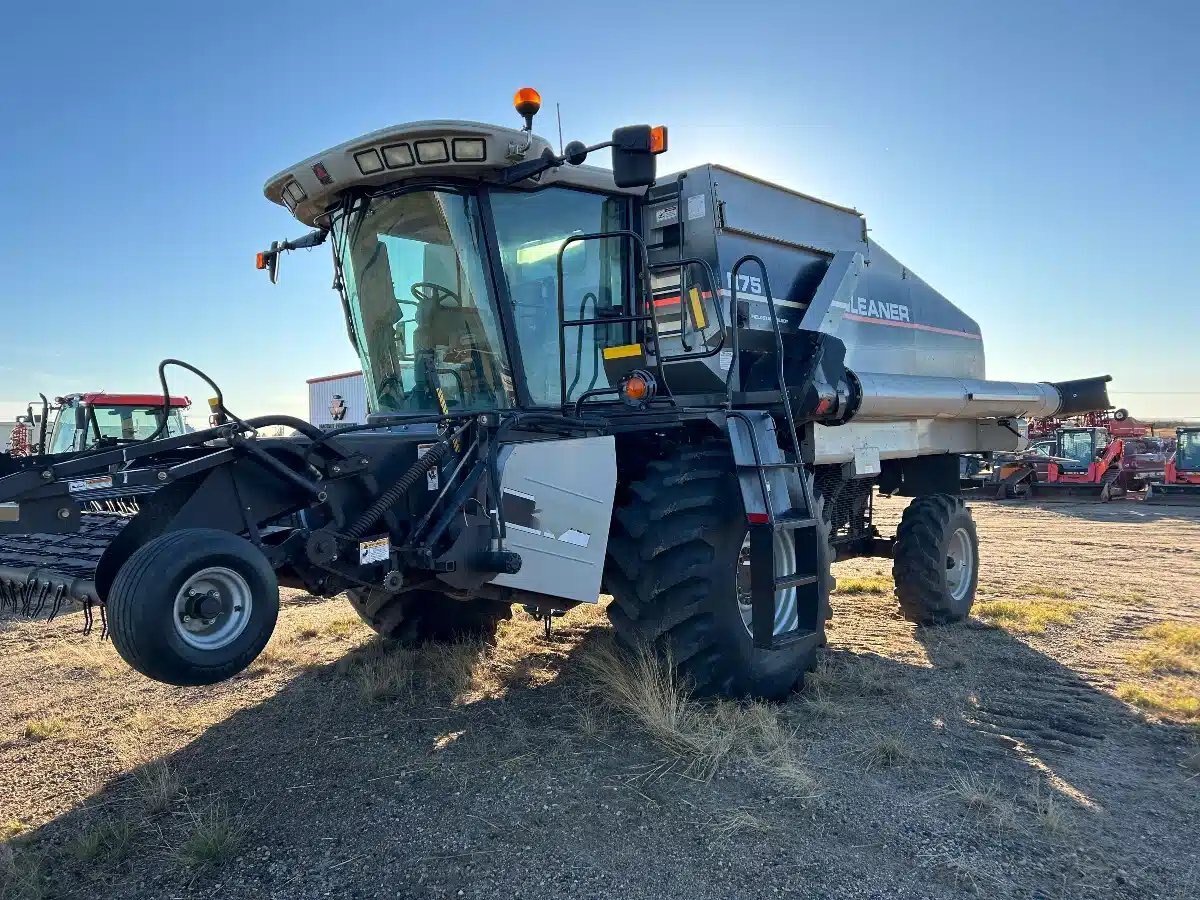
(403, 485)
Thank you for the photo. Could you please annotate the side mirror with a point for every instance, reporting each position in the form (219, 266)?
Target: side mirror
(633, 150)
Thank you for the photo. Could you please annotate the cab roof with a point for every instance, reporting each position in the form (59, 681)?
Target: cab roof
(103, 398)
(448, 148)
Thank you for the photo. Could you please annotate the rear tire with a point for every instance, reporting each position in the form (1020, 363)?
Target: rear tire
(674, 554)
(420, 616)
(935, 562)
(157, 629)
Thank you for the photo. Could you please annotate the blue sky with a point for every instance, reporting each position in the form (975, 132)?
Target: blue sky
(1037, 162)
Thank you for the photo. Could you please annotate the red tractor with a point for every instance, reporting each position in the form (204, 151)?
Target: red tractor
(1088, 461)
(1181, 475)
(79, 422)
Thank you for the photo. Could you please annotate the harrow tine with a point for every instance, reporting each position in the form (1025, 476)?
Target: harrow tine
(41, 601)
(88, 620)
(57, 603)
(27, 598)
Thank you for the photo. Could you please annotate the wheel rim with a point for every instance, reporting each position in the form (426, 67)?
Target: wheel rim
(212, 608)
(960, 564)
(785, 601)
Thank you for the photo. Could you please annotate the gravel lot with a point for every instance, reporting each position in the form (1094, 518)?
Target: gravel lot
(1048, 749)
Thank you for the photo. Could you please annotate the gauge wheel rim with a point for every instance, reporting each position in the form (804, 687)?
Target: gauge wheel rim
(230, 622)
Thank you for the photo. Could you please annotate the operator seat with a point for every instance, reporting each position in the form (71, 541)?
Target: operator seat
(456, 331)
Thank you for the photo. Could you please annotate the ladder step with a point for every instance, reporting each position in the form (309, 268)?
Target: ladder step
(792, 523)
(791, 581)
(792, 637)
(773, 465)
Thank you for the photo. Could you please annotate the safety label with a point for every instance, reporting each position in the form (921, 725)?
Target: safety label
(696, 206)
(374, 551)
(431, 477)
(95, 483)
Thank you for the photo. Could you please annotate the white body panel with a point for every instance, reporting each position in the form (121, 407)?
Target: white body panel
(564, 493)
(908, 438)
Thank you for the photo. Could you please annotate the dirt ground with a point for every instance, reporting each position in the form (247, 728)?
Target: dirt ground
(1048, 748)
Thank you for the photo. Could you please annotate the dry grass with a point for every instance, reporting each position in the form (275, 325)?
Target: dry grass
(213, 837)
(386, 674)
(1048, 810)
(645, 690)
(1173, 649)
(740, 821)
(985, 800)
(158, 787)
(1177, 636)
(1044, 591)
(875, 585)
(884, 751)
(1027, 616)
(850, 676)
(10, 829)
(21, 874)
(1163, 661)
(1173, 698)
(105, 844)
(50, 728)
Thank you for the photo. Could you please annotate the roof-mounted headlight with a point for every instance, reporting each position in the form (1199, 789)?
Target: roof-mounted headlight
(368, 162)
(398, 156)
(432, 151)
(470, 150)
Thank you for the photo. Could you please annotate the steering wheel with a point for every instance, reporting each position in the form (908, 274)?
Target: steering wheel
(432, 292)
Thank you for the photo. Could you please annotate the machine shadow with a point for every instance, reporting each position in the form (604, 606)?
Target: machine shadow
(416, 774)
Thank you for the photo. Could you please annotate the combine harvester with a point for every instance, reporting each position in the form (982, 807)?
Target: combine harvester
(682, 391)
(1181, 478)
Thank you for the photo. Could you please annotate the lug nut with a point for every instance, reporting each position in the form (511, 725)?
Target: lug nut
(64, 513)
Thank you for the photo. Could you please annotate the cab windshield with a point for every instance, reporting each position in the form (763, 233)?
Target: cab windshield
(122, 423)
(1187, 452)
(420, 305)
(1078, 446)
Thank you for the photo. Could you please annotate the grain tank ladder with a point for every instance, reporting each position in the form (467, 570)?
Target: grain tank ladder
(774, 502)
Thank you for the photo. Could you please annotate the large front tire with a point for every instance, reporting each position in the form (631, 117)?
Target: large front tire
(420, 616)
(935, 562)
(676, 548)
(194, 606)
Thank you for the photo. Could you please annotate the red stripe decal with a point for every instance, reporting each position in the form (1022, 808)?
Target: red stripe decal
(914, 325)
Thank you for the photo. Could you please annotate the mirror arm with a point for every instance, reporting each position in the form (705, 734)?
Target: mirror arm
(314, 238)
(534, 167)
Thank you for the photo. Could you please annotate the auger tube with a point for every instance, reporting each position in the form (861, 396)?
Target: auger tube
(890, 396)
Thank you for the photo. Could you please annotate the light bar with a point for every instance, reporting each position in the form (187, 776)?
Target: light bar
(432, 151)
(368, 162)
(398, 156)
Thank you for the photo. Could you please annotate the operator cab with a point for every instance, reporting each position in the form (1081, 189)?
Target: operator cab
(86, 421)
(1083, 446)
(1187, 449)
(455, 242)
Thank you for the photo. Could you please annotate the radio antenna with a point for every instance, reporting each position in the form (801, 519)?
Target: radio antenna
(558, 112)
